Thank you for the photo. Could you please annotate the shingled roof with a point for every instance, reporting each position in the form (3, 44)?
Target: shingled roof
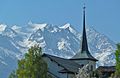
(68, 65)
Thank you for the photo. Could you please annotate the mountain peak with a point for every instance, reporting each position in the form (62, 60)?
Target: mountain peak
(37, 26)
(67, 25)
(2, 27)
(16, 28)
(61, 41)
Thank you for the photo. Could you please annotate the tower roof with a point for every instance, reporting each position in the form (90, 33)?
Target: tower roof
(84, 46)
(84, 53)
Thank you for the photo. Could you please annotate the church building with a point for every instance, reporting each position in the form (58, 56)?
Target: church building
(67, 68)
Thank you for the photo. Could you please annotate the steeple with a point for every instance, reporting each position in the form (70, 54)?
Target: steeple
(84, 54)
(84, 46)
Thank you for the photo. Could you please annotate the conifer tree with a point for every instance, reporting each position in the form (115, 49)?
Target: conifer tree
(32, 65)
(117, 54)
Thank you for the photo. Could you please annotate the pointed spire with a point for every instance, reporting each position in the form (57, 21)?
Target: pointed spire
(84, 37)
(84, 54)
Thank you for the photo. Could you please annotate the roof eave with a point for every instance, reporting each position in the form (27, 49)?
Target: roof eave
(84, 59)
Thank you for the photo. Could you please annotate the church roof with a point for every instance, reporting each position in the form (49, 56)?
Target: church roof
(106, 68)
(83, 56)
(84, 53)
(68, 65)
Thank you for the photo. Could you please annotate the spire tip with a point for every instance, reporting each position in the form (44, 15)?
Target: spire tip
(84, 6)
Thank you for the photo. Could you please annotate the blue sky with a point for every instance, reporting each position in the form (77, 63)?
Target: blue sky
(102, 15)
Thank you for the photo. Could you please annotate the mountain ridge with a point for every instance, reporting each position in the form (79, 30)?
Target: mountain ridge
(62, 41)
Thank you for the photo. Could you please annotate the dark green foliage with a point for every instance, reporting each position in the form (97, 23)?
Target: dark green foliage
(32, 65)
(117, 54)
(95, 74)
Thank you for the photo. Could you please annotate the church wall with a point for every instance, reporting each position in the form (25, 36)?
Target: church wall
(92, 64)
(71, 75)
(54, 68)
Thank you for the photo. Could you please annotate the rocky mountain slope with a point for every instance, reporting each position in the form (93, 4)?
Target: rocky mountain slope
(62, 41)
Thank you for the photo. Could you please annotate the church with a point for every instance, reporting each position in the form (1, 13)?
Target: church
(67, 68)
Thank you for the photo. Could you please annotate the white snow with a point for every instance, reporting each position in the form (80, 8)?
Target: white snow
(2, 27)
(54, 41)
(27, 43)
(54, 30)
(63, 44)
(16, 28)
(3, 62)
(67, 25)
(38, 26)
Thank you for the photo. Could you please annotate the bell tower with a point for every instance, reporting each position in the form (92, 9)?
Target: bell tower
(84, 57)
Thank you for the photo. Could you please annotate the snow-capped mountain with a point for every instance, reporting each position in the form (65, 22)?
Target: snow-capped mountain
(62, 41)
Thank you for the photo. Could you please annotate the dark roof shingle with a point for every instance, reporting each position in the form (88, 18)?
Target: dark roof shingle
(67, 64)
